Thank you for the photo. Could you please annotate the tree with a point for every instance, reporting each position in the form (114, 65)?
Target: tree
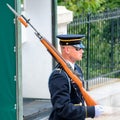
(89, 6)
(83, 6)
(111, 4)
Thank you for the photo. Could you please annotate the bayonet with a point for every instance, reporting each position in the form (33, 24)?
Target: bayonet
(19, 17)
(13, 10)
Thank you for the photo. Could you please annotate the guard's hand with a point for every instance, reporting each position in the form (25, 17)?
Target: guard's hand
(99, 110)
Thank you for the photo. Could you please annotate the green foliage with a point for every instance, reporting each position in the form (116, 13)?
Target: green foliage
(112, 4)
(89, 6)
(82, 6)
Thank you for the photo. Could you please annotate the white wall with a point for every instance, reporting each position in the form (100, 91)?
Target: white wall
(64, 17)
(36, 61)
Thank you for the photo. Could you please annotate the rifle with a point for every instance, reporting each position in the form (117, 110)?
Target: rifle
(88, 99)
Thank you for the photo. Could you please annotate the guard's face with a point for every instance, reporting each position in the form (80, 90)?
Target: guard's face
(73, 54)
(76, 53)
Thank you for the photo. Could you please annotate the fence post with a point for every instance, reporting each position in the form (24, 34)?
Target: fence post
(112, 46)
(88, 52)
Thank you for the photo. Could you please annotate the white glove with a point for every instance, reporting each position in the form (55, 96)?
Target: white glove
(98, 110)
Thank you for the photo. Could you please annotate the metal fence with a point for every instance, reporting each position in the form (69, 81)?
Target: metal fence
(101, 60)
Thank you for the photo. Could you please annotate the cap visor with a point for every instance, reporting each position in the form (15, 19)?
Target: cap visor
(79, 46)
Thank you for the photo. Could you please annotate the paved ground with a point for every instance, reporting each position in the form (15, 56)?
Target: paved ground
(108, 96)
(36, 108)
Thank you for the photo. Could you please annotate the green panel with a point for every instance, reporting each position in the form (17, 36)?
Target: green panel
(7, 62)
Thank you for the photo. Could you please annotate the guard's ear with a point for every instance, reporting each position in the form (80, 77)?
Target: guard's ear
(67, 49)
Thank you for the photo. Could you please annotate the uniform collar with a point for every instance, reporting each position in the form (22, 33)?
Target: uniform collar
(71, 64)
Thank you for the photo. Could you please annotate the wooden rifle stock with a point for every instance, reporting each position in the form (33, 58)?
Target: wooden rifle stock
(88, 99)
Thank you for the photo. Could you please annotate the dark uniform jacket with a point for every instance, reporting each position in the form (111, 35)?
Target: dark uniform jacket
(66, 99)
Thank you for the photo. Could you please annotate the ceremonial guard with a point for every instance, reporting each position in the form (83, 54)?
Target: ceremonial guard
(66, 98)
